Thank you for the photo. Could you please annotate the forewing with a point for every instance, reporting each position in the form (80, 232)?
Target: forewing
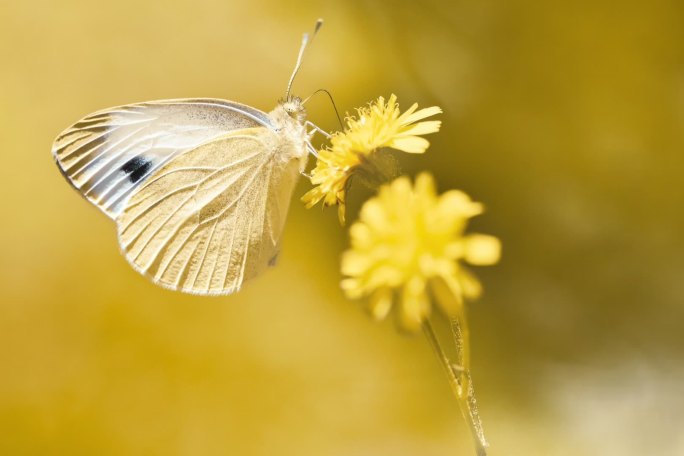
(109, 153)
(211, 218)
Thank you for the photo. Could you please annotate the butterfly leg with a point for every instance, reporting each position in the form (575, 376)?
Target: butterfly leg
(311, 149)
(315, 129)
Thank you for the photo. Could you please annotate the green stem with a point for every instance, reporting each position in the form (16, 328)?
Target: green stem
(441, 354)
(458, 376)
(461, 335)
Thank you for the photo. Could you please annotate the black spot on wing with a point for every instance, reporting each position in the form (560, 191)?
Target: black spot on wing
(136, 168)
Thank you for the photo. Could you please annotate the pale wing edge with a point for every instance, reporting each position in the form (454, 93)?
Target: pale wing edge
(98, 119)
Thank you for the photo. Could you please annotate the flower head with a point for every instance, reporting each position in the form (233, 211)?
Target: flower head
(379, 125)
(410, 242)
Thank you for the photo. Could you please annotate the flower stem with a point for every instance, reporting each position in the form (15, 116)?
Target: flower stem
(461, 335)
(459, 377)
(441, 354)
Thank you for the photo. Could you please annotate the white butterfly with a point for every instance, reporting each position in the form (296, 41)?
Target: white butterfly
(199, 188)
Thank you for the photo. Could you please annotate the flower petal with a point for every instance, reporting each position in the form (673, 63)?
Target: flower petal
(471, 286)
(409, 144)
(312, 197)
(482, 249)
(458, 203)
(409, 238)
(380, 303)
(448, 296)
(351, 288)
(425, 185)
(378, 125)
(415, 306)
(422, 114)
(373, 214)
(341, 212)
(355, 263)
(422, 128)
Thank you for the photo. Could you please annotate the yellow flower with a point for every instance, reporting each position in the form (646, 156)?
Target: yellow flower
(408, 244)
(379, 125)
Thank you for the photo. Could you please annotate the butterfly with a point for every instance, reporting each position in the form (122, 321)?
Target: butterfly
(199, 188)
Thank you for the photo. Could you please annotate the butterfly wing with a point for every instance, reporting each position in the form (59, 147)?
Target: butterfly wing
(211, 218)
(109, 153)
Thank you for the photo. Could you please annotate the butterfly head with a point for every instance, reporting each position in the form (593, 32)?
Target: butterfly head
(294, 108)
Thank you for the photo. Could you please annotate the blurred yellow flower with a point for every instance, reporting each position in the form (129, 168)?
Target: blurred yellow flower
(409, 241)
(379, 125)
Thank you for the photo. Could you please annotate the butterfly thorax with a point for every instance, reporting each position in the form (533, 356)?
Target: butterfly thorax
(288, 118)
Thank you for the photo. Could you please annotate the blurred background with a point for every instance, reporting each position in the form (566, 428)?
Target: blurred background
(564, 118)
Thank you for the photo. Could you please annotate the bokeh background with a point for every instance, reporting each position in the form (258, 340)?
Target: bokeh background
(564, 118)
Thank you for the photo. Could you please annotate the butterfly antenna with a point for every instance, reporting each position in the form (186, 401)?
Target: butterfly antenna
(337, 113)
(305, 42)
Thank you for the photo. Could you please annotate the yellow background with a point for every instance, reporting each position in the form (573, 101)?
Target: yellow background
(564, 118)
